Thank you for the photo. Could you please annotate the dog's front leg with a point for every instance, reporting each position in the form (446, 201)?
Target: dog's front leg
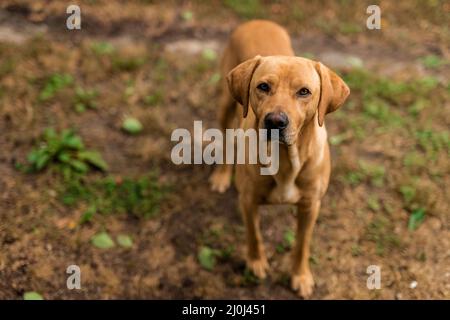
(302, 279)
(256, 257)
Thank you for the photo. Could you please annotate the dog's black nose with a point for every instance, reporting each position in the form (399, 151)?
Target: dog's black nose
(276, 120)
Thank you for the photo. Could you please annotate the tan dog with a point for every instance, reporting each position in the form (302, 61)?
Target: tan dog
(279, 91)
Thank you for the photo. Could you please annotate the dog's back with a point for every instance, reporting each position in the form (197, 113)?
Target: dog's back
(256, 37)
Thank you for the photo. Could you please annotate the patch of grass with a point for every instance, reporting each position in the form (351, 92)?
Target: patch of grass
(356, 250)
(380, 231)
(324, 25)
(154, 99)
(379, 110)
(160, 69)
(408, 192)
(85, 99)
(200, 66)
(433, 142)
(297, 15)
(66, 151)
(53, 84)
(383, 99)
(414, 160)
(288, 241)
(246, 9)
(349, 28)
(139, 197)
(249, 279)
(127, 64)
(103, 48)
(418, 106)
(337, 139)
(433, 61)
(372, 173)
(373, 203)
(7, 66)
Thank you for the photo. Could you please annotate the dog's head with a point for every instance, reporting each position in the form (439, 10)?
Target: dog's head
(285, 92)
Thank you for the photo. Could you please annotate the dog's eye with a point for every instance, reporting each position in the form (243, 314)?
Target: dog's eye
(264, 87)
(303, 92)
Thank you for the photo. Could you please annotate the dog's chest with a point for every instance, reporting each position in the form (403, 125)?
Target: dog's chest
(284, 193)
(286, 190)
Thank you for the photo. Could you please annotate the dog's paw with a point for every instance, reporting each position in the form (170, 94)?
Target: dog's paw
(303, 284)
(220, 180)
(259, 267)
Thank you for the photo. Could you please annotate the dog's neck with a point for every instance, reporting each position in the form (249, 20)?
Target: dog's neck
(292, 158)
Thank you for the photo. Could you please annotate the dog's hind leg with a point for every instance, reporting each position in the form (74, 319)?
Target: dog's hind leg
(220, 179)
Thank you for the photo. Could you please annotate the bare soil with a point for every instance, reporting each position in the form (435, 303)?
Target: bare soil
(40, 236)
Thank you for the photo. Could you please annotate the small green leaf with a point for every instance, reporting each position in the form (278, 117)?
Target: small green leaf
(215, 78)
(373, 203)
(124, 241)
(102, 240)
(103, 48)
(154, 98)
(94, 158)
(416, 218)
(70, 140)
(32, 295)
(339, 138)
(187, 15)
(80, 107)
(79, 165)
(209, 54)
(207, 258)
(132, 125)
(42, 161)
(289, 237)
(87, 216)
(64, 157)
(408, 193)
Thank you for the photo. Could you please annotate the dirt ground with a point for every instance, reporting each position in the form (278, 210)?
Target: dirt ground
(387, 203)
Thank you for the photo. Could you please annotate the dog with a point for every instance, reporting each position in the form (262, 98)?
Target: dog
(274, 89)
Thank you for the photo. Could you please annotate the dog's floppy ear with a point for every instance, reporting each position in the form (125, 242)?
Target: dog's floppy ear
(239, 81)
(333, 91)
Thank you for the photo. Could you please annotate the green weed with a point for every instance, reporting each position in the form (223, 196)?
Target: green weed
(66, 151)
(85, 99)
(55, 83)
